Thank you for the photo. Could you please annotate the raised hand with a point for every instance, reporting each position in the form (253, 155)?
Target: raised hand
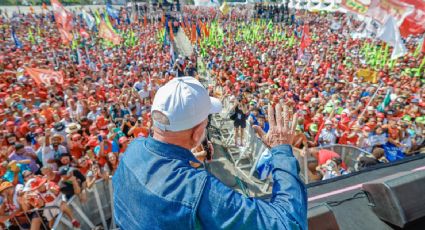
(281, 130)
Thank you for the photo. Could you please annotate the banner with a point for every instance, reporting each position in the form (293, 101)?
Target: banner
(368, 75)
(45, 76)
(409, 14)
(414, 23)
(392, 152)
(382, 10)
(356, 6)
(107, 33)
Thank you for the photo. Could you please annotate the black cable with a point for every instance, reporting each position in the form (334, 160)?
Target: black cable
(358, 195)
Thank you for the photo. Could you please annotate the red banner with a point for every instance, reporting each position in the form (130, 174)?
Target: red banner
(381, 10)
(108, 34)
(414, 23)
(44, 76)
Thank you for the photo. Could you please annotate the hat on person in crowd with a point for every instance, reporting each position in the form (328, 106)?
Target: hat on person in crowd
(56, 136)
(313, 128)
(72, 128)
(328, 122)
(420, 120)
(5, 185)
(59, 126)
(407, 118)
(185, 103)
(36, 183)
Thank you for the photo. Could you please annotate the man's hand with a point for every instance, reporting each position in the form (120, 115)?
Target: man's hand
(280, 132)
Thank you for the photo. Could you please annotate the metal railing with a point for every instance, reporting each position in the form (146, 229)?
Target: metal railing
(97, 210)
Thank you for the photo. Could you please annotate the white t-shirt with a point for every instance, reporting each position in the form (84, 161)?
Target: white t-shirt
(49, 153)
(144, 94)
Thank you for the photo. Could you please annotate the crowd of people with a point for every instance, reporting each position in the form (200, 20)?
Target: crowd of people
(58, 138)
(335, 102)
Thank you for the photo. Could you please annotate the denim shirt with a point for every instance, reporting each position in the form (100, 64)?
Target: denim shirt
(156, 188)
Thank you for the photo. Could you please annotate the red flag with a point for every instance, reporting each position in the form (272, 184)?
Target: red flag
(145, 21)
(45, 76)
(170, 26)
(66, 36)
(108, 34)
(62, 16)
(84, 33)
(193, 35)
(305, 39)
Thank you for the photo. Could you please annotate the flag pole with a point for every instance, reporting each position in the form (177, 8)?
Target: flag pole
(370, 101)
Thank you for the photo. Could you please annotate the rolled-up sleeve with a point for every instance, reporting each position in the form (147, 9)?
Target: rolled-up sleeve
(222, 208)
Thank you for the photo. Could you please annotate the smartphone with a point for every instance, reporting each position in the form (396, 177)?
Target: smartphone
(206, 147)
(100, 138)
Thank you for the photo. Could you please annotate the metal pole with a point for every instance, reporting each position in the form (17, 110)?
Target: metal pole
(370, 101)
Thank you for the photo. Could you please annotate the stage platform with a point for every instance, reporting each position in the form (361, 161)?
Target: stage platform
(355, 213)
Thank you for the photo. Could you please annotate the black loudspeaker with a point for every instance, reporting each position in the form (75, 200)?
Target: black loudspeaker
(321, 217)
(398, 199)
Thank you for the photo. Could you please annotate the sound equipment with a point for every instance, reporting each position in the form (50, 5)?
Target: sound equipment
(398, 199)
(321, 217)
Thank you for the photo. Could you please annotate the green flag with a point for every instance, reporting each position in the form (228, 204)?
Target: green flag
(385, 102)
(97, 17)
(31, 36)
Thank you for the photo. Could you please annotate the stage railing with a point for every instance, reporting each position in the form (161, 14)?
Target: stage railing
(349, 154)
(96, 211)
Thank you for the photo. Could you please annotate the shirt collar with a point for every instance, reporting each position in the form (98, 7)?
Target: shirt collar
(170, 150)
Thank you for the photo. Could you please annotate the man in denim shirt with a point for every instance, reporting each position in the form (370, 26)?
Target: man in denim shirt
(155, 186)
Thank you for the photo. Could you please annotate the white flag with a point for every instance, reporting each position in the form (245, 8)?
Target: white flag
(390, 34)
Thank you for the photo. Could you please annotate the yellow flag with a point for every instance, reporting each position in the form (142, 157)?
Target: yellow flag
(224, 8)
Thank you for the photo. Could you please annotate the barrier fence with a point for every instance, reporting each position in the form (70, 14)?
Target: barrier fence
(96, 212)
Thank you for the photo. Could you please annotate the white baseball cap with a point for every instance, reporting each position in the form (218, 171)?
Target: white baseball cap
(185, 102)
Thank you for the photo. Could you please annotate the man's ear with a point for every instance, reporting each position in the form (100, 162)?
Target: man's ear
(198, 132)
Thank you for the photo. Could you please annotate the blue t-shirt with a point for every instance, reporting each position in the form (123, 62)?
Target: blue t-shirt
(266, 127)
(9, 175)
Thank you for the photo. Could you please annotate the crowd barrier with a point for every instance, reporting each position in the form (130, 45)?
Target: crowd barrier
(96, 213)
